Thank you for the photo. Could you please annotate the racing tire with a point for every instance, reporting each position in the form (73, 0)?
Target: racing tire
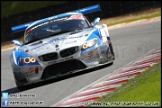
(111, 48)
(112, 57)
(20, 87)
(20, 83)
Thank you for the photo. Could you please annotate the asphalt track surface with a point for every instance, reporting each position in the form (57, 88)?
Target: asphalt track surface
(130, 43)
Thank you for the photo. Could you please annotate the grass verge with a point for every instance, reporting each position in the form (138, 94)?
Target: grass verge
(145, 14)
(143, 90)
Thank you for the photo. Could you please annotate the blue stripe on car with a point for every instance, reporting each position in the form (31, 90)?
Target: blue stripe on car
(88, 49)
(20, 54)
(94, 34)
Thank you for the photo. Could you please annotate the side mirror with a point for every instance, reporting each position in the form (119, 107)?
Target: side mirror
(96, 21)
(16, 42)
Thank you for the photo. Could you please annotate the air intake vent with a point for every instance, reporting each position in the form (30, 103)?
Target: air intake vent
(69, 51)
(62, 68)
(48, 57)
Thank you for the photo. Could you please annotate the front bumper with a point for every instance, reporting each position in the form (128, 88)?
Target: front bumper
(77, 62)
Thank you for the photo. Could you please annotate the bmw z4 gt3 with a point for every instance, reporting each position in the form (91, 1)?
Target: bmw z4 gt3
(60, 45)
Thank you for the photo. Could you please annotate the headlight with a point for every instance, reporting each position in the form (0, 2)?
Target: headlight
(28, 60)
(89, 43)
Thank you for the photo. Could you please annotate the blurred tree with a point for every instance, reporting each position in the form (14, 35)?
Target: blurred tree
(9, 8)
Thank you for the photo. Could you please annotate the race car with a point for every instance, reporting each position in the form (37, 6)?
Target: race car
(60, 45)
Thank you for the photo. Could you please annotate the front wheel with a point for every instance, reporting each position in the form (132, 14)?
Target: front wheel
(20, 82)
(111, 47)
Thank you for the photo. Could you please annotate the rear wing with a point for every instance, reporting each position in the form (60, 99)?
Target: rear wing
(86, 10)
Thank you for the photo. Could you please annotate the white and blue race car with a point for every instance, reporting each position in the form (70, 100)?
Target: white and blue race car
(60, 45)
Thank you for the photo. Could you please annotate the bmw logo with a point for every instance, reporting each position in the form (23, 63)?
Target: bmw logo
(56, 46)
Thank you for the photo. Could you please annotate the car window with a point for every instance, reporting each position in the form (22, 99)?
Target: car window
(52, 28)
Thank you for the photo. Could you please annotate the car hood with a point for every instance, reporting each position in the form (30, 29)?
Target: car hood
(57, 42)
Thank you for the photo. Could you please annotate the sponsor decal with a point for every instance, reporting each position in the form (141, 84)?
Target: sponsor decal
(55, 43)
(50, 30)
(71, 42)
(103, 49)
(39, 50)
(76, 17)
(103, 46)
(36, 70)
(59, 19)
(45, 23)
(39, 46)
(60, 60)
(57, 39)
(31, 69)
(91, 58)
(90, 53)
(75, 37)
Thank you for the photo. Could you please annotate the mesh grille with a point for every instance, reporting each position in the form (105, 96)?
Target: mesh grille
(69, 51)
(48, 57)
(62, 68)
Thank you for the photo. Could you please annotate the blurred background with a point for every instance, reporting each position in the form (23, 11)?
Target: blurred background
(14, 13)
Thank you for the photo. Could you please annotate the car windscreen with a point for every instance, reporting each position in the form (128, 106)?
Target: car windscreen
(52, 28)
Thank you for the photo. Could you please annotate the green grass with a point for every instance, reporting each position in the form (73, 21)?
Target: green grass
(145, 88)
(135, 19)
(9, 8)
